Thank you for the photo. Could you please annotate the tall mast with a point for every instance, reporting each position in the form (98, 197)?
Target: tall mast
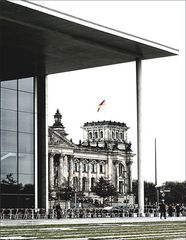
(155, 162)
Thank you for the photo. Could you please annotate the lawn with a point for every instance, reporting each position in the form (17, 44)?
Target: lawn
(125, 231)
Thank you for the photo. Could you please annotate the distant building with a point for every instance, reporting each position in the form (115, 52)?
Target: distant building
(104, 152)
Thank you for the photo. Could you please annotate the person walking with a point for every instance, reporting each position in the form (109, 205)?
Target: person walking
(177, 209)
(170, 210)
(162, 210)
(58, 211)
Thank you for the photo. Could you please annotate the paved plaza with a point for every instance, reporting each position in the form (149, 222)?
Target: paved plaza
(88, 220)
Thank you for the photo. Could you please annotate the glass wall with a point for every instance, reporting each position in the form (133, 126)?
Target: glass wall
(17, 143)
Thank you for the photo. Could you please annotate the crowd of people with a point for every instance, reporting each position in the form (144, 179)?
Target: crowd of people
(171, 210)
(163, 211)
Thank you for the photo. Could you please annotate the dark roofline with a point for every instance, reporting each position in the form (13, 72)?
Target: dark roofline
(48, 42)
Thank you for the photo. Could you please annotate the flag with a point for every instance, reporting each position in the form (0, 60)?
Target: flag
(101, 104)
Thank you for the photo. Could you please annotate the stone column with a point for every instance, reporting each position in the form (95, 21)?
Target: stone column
(117, 177)
(129, 177)
(80, 175)
(71, 158)
(60, 171)
(109, 167)
(51, 171)
(65, 168)
(89, 176)
(97, 171)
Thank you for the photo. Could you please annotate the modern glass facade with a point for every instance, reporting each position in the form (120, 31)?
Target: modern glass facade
(17, 143)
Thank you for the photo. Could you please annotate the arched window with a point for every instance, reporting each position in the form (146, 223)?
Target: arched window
(121, 187)
(90, 135)
(93, 167)
(116, 134)
(101, 168)
(121, 136)
(101, 134)
(84, 184)
(84, 167)
(75, 167)
(92, 182)
(75, 183)
(113, 134)
(121, 170)
(96, 134)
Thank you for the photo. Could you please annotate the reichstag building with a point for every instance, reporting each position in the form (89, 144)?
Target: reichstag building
(104, 152)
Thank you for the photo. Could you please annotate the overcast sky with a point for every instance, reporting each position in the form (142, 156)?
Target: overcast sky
(78, 93)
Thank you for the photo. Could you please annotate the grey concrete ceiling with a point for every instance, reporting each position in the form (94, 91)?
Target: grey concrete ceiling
(33, 42)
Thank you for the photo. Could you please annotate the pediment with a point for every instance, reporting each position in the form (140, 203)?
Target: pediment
(56, 139)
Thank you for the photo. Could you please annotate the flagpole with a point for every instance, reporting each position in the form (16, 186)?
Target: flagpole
(156, 182)
(155, 162)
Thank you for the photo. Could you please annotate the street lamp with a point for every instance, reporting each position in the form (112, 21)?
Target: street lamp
(157, 194)
(146, 199)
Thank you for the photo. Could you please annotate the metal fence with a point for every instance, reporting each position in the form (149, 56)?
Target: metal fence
(76, 213)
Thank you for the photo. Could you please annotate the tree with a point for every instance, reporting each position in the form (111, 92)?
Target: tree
(9, 179)
(149, 191)
(103, 188)
(10, 185)
(177, 192)
(66, 193)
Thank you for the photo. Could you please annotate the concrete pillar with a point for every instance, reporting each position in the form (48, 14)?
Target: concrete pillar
(42, 178)
(139, 137)
(51, 171)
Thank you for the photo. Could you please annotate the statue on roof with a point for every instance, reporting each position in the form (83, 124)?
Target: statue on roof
(128, 147)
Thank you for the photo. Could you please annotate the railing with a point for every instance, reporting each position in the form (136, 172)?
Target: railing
(19, 214)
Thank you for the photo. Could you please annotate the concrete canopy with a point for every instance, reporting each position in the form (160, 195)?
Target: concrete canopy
(33, 42)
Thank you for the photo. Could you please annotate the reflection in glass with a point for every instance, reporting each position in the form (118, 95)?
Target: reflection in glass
(17, 201)
(8, 163)
(26, 179)
(26, 189)
(8, 99)
(9, 202)
(26, 84)
(17, 143)
(25, 143)
(25, 102)
(8, 141)
(26, 163)
(12, 84)
(8, 120)
(25, 122)
(9, 183)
